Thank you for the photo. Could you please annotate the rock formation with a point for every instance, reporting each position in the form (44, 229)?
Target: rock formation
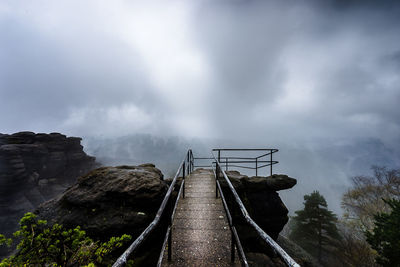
(261, 199)
(35, 168)
(109, 201)
(264, 205)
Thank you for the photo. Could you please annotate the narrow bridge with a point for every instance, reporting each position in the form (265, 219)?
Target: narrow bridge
(201, 231)
(201, 235)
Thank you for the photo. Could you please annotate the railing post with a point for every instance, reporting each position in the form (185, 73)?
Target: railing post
(226, 163)
(191, 161)
(183, 180)
(256, 166)
(171, 208)
(271, 164)
(216, 179)
(232, 247)
(218, 170)
(232, 241)
(170, 244)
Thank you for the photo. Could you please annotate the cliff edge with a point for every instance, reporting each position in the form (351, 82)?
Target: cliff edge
(35, 168)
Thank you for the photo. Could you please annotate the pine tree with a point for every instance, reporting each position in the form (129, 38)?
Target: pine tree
(385, 237)
(314, 227)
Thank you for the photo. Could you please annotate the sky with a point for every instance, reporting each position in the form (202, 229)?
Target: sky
(318, 79)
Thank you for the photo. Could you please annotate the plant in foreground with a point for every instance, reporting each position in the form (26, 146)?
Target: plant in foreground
(57, 246)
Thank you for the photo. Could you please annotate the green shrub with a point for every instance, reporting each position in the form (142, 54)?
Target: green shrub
(56, 246)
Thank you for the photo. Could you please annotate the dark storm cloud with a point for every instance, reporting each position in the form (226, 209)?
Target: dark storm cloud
(47, 77)
(318, 79)
(345, 4)
(269, 57)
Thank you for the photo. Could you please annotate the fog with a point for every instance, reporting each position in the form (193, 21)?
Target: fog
(319, 81)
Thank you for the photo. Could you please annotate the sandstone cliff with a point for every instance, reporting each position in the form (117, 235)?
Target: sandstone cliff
(265, 207)
(109, 201)
(35, 168)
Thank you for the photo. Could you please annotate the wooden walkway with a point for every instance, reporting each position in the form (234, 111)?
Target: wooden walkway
(200, 230)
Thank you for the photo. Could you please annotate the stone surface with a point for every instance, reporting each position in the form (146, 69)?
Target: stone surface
(263, 203)
(28, 159)
(109, 201)
(35, 168)
(201, 235)
(200, 231)
(280, 182)
(276, 182)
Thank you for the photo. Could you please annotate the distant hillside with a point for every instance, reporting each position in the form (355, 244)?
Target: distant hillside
(165, 152)
(319, 165)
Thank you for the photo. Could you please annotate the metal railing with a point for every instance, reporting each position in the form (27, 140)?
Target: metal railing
(235, 240)
(186, 167)
(253, 163)
(218, 169)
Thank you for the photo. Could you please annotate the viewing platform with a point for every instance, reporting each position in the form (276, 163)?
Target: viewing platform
(200, 230)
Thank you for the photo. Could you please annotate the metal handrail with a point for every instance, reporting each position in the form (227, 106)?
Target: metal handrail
(122, 260)
(244, 161)
(245, 149)
(264, 236)
(234, 235)
(187, 166)
(168, 235)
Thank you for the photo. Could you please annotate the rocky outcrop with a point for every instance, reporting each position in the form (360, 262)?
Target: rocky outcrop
(261, 199)
(276, 182)
(38, 161)
(279, 182)
(262, 202)
(35, 168)
(109, 201)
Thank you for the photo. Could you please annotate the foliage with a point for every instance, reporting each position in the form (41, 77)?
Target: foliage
(352, 249)
(385, 237)
(314, 227)
(365, 198)
(56, 246)
(4, 240)
(361, 202)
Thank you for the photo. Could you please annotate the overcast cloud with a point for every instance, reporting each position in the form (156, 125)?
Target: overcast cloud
(294, 74)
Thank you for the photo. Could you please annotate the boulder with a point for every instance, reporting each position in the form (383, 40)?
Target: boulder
(276, 182)
(280, 182)
(263, 203)
(109, 201)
